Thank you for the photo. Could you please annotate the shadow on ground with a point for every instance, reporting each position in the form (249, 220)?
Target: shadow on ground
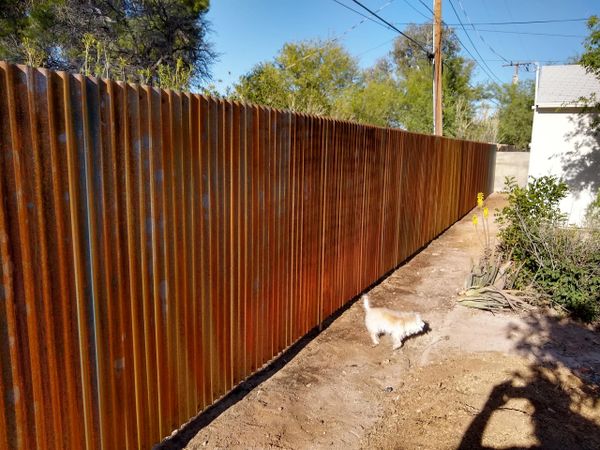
(182, 437)
(559, 390)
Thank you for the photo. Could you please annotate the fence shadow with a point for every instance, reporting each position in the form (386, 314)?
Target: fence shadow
(561, 386)
(184, 435)
(181, 437)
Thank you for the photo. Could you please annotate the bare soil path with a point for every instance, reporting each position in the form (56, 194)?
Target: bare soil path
(475, 380)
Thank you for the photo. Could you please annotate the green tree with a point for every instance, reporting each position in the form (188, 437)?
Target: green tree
(307, 76)
(322, 78)
(136, 40)
(591, 61)
(591, 57)
(374, 99)
(515, 114)
(482, 127)
(265, 85)
(414, 71)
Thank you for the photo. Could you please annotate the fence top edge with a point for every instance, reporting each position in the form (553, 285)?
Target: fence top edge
(6, 66)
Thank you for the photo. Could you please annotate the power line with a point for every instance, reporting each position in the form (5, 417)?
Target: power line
(532, 33)
(510, 17)
(363, 15)
(462, 44)
(426, 6)
(548, 61)
(488, 72)
(374, 48)
(385, 5)
(476, 61)
(487, 30)
(526, 22)
(427, 52)
(337, 38)
(478, 34)
(465, 47)
(416, 10)
(493, 75)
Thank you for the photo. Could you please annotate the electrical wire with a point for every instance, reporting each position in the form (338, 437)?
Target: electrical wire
(532, 33)
(493, 75)
(483, 63)
(460, 3)
(475, 60)
(484, 67)
(416, 10)
(382, 7)
(510, 16)
(526, 22)
(463, 46)
(363, 15)
(426, 6)
(547, 61)
(375, 48)
(419, 44)
(341, 36)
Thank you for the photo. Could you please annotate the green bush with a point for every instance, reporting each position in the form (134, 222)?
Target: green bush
(529, 207)
(561, 263)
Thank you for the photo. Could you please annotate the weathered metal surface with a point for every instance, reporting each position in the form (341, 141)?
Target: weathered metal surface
(157, 247)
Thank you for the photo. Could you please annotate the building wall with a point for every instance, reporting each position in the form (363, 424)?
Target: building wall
(511, 164)
(563, 144)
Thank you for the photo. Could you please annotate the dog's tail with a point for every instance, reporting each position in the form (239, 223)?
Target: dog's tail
(366, 304)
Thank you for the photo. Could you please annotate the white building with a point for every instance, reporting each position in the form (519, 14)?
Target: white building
(562, 142)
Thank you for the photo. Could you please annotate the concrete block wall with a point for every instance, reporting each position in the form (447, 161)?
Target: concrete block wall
(515, 164)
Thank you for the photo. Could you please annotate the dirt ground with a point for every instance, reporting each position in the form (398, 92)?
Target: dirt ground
(475, 380)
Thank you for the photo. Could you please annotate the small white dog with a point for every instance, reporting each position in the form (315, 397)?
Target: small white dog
(397, 324)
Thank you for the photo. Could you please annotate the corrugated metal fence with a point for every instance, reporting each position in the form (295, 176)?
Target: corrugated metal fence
(159, 247)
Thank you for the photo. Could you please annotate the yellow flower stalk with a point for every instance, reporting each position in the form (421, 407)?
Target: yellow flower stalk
(485, 212)
(480, 199)
(475, 219)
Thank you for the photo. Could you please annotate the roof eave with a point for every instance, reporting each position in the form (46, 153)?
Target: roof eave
(560, 105)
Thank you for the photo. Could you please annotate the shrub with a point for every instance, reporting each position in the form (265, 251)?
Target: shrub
(529, 207)
(562, 264)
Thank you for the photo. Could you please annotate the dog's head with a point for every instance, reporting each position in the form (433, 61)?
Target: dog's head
(424, 326)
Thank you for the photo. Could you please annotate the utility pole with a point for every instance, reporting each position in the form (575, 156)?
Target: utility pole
(516, 65)
(437, 67)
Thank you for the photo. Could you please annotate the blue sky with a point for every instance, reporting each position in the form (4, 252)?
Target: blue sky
(246, 32)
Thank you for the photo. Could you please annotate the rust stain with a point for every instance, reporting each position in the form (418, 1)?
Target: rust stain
(157, 247)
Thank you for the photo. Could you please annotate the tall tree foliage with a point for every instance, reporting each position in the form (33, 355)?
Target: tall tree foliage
(322, 78)
(591, 58)
(137, 40)
(591, 61)
(515, 114)
(414, 72)
(306, 76)
(374, 99)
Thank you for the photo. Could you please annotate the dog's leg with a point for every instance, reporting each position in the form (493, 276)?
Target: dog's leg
(397, 342)
(375, 339)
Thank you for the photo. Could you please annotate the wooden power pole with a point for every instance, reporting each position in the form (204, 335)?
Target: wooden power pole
(437, 67)
(516, 65)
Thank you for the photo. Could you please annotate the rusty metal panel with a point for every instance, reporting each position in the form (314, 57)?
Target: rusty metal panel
(159, 247)
(206, 310)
